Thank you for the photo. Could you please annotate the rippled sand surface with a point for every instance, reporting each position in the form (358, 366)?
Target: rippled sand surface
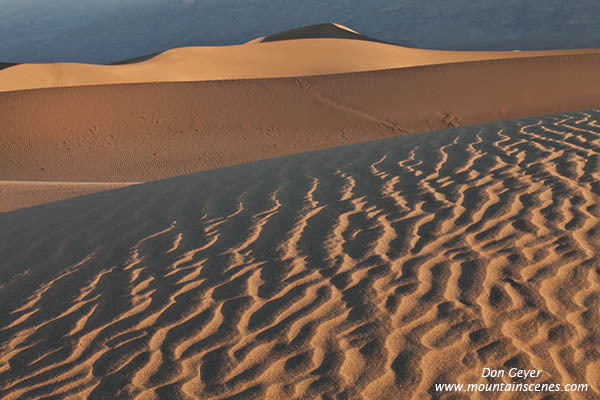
(369, 271)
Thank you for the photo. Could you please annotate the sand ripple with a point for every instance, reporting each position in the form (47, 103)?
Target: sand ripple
(368, 271)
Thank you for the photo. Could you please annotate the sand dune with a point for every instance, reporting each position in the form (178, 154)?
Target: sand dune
(367, 271)
(141, 132)
(275, 56)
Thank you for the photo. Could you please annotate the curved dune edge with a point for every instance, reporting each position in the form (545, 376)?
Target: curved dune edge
(374, 270)
(287, 58)
(143, 132)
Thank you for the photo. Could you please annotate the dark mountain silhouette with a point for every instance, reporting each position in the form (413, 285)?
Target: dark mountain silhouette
(331, 31)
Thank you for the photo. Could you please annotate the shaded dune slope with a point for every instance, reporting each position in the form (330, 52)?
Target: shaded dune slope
(322, 31)
(136, 59)
(367, 271)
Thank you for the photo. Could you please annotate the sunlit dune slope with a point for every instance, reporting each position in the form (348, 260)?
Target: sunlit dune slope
(368, 271)
(313, 55)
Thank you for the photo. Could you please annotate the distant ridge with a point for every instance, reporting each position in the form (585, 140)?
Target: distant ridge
(320, 31)
(135, 60)
(307, 51)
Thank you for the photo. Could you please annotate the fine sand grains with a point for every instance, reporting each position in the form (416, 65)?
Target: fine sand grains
(370, 271)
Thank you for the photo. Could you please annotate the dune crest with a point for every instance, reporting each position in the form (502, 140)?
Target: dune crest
(315, 50)
(367, 271)
(345, 28)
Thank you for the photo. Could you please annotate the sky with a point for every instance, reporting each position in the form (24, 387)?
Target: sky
(105, 31)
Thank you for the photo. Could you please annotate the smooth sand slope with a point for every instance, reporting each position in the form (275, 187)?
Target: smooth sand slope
(271, 57)
(19, 194)
(367, 271)
(140, 132)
